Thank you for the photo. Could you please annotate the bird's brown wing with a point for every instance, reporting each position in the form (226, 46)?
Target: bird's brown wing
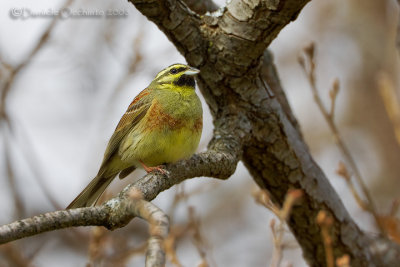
(135, 112)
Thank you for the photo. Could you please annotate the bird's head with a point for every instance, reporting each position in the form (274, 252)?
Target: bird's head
(178, 75)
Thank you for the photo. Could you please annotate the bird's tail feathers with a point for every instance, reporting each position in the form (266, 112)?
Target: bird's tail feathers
(91, 193)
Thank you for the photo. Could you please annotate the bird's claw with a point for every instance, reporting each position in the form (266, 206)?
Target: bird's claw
(151, 169)
(157, 169)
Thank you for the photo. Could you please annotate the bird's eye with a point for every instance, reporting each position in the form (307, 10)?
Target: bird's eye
(174, 71)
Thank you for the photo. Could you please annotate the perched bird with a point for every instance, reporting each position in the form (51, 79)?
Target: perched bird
(163, 124)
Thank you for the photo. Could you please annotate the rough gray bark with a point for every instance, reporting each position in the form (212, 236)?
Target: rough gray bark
(253, 123)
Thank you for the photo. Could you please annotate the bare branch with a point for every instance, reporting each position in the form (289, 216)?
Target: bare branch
(283, 214)
(159, 228)
(344, 173)
(391, 102)
(19, 205)
(52, 221)
(325, 221)
(118, 211)
(329, 118)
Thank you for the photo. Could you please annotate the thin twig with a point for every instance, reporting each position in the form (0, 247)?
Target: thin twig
(19, 205)
(262, 197)
(391, 102)
(391, 222)
(344, 173)
(134, 61)
(343, 261)
(308, 65)
(97, 245)
(283, 214)
(176, 232)
(18, 68)
(103, 241)
(198, 239)
(5, 88)
(14, 255)
(395, 207)
(191, 227)
(324, 220)
(120, 259)
(333, 96)
(28, 152)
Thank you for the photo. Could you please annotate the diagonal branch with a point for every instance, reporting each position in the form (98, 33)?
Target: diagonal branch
(118, 211)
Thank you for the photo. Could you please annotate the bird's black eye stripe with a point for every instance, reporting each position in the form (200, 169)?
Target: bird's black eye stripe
(177, 70)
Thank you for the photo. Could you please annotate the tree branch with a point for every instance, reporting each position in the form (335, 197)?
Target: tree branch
(118, 211)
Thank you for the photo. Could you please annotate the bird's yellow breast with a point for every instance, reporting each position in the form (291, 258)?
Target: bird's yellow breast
(164, 136)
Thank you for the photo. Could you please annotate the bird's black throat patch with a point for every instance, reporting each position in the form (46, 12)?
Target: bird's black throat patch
(185, 80)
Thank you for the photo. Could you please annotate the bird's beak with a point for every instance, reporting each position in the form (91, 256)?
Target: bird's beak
(192, 71)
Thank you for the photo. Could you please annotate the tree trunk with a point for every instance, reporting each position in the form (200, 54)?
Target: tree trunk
(228, 46)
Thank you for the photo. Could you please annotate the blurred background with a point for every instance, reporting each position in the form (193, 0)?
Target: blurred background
(65, 91)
